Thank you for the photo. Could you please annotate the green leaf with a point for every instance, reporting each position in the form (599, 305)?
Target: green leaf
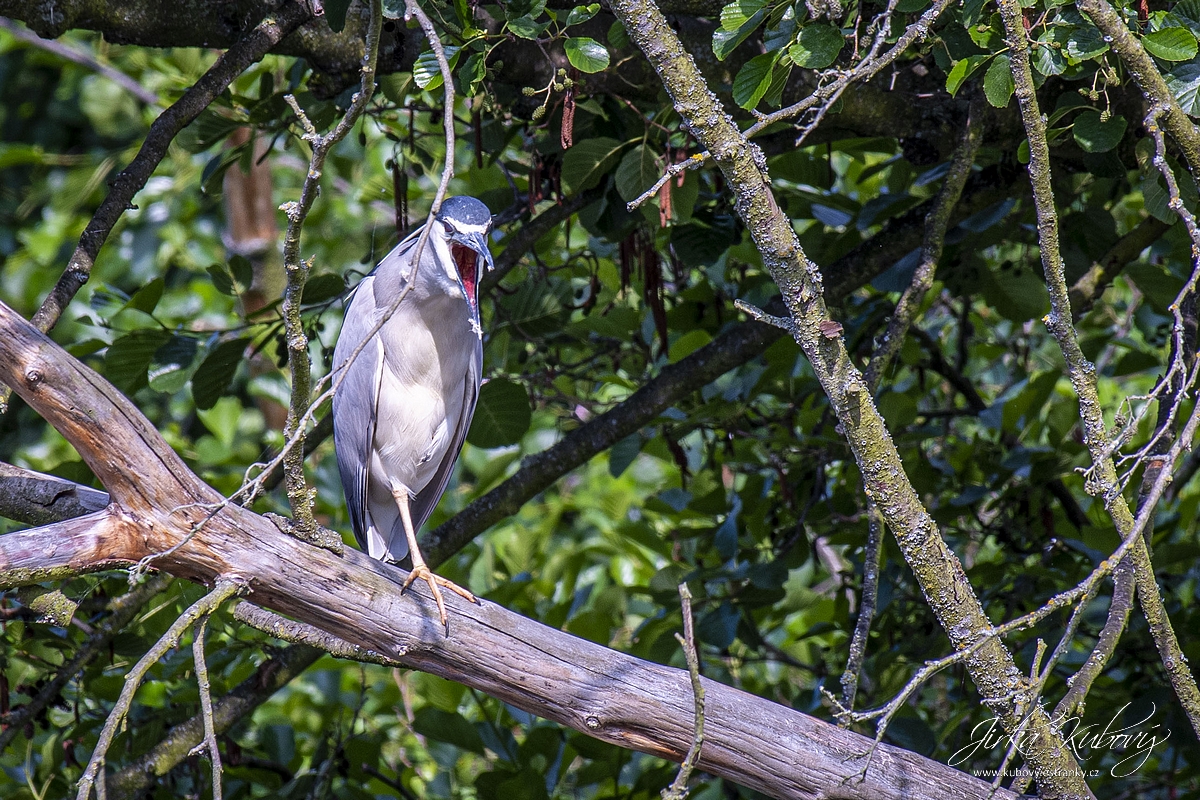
(1171, 44)
(527, 28)
(586, 54)
(1184, 83)
(582, 13)
(242, 271)
(524, 8)
(719, 626)
(146, 298)
(736, 14)
(128, 358)
(817, 47)
(220, 278)
(623, 453)
(502, 414)
(638, 171)
(427, 73)
(739, 19)
(753, 80)
(1084, 43)
(962, 70)
(1097, 135)
(216, 372)
(1048, 58)
(171, 365)
(998, 84)
(472, 73)
(1185, 14)
(444, 726)
(779, 77)
(588, 161)
(684, 197)
(395, 87)
(321, 288)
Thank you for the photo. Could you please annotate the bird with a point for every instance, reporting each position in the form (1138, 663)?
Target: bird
(403, 402)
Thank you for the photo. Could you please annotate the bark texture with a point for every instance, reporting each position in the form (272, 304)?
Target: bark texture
(160, 506)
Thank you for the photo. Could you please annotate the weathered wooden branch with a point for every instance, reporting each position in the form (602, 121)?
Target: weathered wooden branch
(603, 693)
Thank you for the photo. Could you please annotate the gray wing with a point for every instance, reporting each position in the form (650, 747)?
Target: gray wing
(426, 499)
(356, 398)
(354, 403)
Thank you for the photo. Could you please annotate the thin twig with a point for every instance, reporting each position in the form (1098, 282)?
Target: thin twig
(206, 705)
(88, 60)
(936, 223)
(297, 269)
(225, 588)
(678, 788)
(872, 558)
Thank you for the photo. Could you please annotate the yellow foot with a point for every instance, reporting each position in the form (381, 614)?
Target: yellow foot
(424, 573)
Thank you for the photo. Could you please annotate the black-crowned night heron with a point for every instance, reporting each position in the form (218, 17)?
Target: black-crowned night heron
(402, 408)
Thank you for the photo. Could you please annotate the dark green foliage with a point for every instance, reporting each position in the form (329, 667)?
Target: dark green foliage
(745, 488)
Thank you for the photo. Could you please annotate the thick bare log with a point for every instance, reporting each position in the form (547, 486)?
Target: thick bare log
(603, 693)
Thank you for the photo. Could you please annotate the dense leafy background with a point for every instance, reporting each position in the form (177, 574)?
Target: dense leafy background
(745, 488)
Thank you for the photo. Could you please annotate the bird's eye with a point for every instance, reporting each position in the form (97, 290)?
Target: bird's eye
(448, 227)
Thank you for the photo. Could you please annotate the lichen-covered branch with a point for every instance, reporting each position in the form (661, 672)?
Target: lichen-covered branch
(1102, 479)
(206, 704)
(297, 270)
(542, 670)
(938, 570)
(936, 223)
(1145, 73)
(93, 773)
(678, 788)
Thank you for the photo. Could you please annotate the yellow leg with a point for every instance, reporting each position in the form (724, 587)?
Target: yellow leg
(420, 568)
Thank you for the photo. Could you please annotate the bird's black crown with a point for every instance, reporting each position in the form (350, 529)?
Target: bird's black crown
(465, 210)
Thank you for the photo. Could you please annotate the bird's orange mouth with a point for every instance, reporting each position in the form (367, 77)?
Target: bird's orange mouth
(465, 259)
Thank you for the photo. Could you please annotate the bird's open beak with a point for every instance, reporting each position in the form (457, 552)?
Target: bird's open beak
(478, 243)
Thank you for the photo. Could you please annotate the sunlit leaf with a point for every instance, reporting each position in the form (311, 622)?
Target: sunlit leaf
(585, 54)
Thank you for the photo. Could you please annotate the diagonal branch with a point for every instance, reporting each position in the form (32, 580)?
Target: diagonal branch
(937, 569)
(1102, 478)
(598, 691)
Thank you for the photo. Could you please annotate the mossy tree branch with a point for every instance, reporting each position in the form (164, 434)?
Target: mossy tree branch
(937, 569)
(297, 270)
(1103, 480)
